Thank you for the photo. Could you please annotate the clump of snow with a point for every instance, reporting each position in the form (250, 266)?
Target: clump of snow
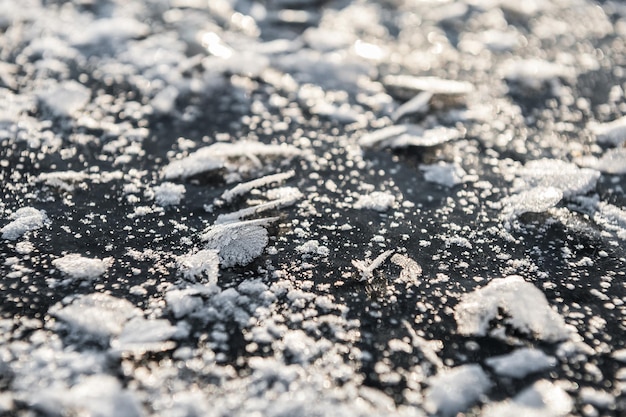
(312, 248)
(542, 399)
(24, 220)
(411, 270)
(79, 267)
(169, 194)
(140, 335)
(202, 265)
(526, 309)
(97, 315)
(378, 200)
(367, 267)
(613, 133)
(521, 362)
(446, 174)
(453, 391)
(238, 243)
(66, 98)
(63, 180)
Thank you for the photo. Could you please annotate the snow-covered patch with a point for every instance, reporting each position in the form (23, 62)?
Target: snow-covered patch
(453, 391)
(377, 200)
(66, 98)
(169, 194)
(76, 266)
(554, 173)
(521, 362)
(24, 220)
(140, 335)
(535, 73)
(613, 133)
(411, 270)
(534, 200)
(612, 161)
(542, 399)
(402, 136)
(63, 180)
(95, 315)
(237, 243)
(202, 265)
(443, 173)
(436, 86)
(525, 307)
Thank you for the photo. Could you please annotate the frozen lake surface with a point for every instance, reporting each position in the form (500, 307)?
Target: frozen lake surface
(312, 208)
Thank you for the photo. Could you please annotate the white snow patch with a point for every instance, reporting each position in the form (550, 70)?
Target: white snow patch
(140, 335)
(613, 133)
(79, 267)
(402, 136)
(169, 194)
(542, 399)
(522, 362)
(453, 391)
(312, 248)
(443, 173)
(24, 220)
(525, 306)
(554, 173)
(378, 200)
(66, 98)
(612, 161)
(534, 73)
(534, 200)
(202, 265)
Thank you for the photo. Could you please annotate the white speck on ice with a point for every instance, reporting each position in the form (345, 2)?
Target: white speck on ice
(378, 200)
(169, 194)
(542, 399)
(446, 174)
(526, 307)
(522, 362)
(24, 220)
(453, 391)
(78, 267)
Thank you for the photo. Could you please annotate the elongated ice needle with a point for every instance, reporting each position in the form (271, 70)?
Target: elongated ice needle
(367, 267)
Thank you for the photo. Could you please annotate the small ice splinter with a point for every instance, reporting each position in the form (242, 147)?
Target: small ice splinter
(367, 267)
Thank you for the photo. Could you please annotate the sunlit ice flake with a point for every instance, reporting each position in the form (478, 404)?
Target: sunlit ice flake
(215, 45)
(535, 73)
(141, 335)
(367, 267)
(369, 50)
(168, 194)
(202, 265)
(238, 243)
(565, 176)
(521, 362)
(408, 86)
(613, 133)
(378, 200)
(250, 211)
(542, 399)
(612, 161)
(534, 200)
(526, 307)
(454, 390)
(417, 105)
(444, 173)
(76, 266)
(405, 135)
(24, 220)
(246, 187)
(411, 270)
(217, 155)
(63, 180)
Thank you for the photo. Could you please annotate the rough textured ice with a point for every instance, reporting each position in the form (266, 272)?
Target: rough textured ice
(79, 267)
(554, 173)
(24, 220)
(312, 248)
(202, 265)
(378, 200)
(521, 362)
(140, 335)
(534, 73)
(169, 194)
(453, 391)
(612, 161)
(526, 308)
(542, 399)
(534, 200)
